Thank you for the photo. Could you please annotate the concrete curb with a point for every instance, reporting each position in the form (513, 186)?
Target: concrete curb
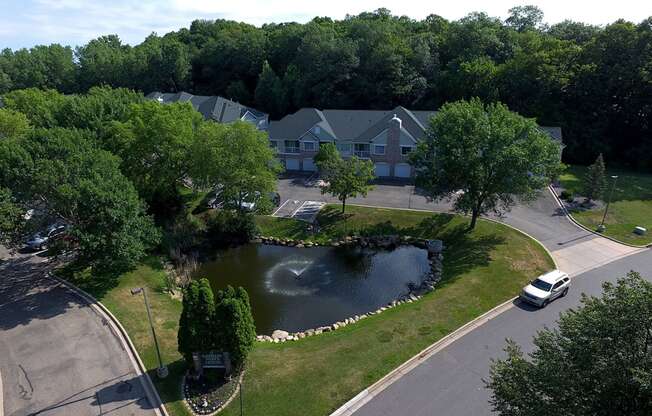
(2, 407)
(580, 225)
(118, 329)
(370, 392)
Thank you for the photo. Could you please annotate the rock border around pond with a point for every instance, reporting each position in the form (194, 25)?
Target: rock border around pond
(435, 257)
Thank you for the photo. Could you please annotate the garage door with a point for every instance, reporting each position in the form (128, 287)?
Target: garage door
(402, 170)
(309, 165)
(292, 164)
(381, 169)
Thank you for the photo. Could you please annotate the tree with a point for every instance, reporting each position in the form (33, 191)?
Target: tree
(11, 217)
(154, 145)
(484, 157)
(63, 176)
(13, 123)
(269, 92)
(524, 18)
(327, 158)
(348, 179)
(41, 107)
(237, 157)
(595, 180)
(236, 323)
(598, 361)
(216, 323)
(196, 321)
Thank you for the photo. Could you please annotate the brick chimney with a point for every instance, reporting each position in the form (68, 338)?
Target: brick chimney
(393, 142)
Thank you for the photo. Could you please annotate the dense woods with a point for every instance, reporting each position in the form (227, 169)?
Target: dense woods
(595, 82)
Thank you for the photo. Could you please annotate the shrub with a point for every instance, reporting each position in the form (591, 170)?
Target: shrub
(567, 196)
(228, 227)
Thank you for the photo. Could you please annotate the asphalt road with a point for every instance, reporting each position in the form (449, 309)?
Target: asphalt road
(57, 356)
(450, 382)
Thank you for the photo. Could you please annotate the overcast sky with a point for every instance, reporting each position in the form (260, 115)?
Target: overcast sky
(24, 23)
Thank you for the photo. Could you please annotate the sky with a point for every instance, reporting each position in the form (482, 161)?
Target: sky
(25, 23)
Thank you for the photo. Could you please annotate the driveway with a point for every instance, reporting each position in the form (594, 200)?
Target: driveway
(450, 382)
(574, 249)
(57, 356)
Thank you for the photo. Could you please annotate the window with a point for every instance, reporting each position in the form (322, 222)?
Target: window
(361, 149)
(273, 144)
(558, 285)
(309, 146)
(379, 149)
(540, 284)
(405, 150)
(291, 146)
(344, 147)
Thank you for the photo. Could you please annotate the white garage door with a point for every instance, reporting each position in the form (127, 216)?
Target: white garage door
(402, 170)
(381, 169)
(292, 164)
(309, 165)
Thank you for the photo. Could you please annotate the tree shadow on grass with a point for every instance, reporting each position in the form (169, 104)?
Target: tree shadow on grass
(465, 250)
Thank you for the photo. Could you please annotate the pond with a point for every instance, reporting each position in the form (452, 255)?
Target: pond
(295, 289)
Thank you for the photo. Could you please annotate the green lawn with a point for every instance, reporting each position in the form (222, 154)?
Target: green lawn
(631, 204)
(316, 375)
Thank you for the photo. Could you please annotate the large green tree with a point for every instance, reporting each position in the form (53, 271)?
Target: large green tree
(237, 158)
(484, 157)
(597, 362)
(154, 144)
(196, 321)
(270, 95)
(65, 178)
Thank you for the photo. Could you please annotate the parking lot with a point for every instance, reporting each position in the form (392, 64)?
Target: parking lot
(298, 194)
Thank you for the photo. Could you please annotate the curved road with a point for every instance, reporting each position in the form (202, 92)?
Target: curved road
(57, 356)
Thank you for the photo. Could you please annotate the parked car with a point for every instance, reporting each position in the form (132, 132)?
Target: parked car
(546, 288)
(40, 240)
(249, 204)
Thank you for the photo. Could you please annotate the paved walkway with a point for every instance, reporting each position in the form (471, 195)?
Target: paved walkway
(58, 356)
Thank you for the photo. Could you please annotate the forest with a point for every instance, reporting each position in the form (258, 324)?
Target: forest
(593, 81)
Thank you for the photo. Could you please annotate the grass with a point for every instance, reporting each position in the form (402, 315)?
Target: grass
(631, 204)
(316, 375)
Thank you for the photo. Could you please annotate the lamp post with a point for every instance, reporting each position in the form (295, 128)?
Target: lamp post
(162, 370)
(602, 227)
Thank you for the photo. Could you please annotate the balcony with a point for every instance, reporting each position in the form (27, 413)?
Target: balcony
(362, 154)
(293, 149)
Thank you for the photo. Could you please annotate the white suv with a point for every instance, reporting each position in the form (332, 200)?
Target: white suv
(546, 288)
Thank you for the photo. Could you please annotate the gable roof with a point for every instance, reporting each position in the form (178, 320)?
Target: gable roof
(360, 125)
(212, 107)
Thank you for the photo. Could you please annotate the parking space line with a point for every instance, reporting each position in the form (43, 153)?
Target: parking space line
(279, 208)
(297, 210)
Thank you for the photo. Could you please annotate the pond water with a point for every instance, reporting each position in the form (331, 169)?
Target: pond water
(300, 288)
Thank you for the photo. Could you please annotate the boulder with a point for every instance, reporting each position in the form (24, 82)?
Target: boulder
(279, 334)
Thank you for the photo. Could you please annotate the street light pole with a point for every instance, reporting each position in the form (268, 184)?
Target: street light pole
(162, 370)
(606, 208)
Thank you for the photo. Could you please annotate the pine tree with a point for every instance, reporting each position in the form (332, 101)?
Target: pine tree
(595, 180)
(270, 94)
(195, 324)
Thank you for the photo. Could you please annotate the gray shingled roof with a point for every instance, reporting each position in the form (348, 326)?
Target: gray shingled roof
(361, 125)
(211, 107)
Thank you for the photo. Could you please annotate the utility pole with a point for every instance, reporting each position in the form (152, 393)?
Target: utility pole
(162, 370)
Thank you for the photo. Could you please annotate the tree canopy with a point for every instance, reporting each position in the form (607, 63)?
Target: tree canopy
(597, 362)
(484, 157)
(592, 81)
(347, 178)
